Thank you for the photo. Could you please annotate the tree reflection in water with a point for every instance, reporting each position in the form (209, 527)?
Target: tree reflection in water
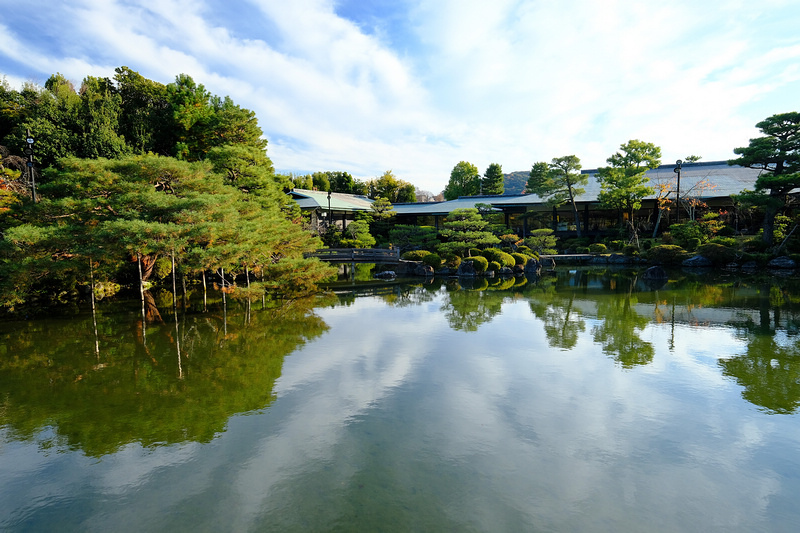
(138, 393)
(769, 370)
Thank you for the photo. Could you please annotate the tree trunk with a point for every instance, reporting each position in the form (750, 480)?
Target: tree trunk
(770, 213)
(577, 219)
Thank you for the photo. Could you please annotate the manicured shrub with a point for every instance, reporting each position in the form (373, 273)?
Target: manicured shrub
(495, 254)
(666, 254)
(755, 245)
(520, 259)
(598, 248)
(479, 262)
(542, 241)
(692, 244)
(494, 266)
(452, 261)
(524, 250)
(630, 250)
(415, 255)
(492, 254)
(726, 231)
(667, 238)
(717, 253)
(730, 242)
(581, 249)
(616, 245)
(433, 260)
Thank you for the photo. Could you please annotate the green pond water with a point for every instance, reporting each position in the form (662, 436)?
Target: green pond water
(587, 400)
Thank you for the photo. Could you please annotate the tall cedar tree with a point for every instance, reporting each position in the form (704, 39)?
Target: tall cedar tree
(492, 181)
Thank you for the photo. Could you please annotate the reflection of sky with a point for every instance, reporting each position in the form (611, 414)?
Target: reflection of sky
(392, 414)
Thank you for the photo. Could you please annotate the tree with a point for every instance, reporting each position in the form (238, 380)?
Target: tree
(559, 182)
(465, 229)
(146, 115)
(357, 235)
(777, 153)
(393, 189)
(413, 237)
(492, 181)
(624, 183)
(464, 181)
(144, 207)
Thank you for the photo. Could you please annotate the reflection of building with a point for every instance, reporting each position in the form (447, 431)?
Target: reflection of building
(713, 183)
(337, 207)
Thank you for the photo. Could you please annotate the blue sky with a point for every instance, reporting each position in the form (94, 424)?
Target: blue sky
(415, 86)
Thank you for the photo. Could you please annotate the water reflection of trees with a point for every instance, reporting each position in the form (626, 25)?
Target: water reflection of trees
(769, 373)
(466, 310)
(618, 332)
(562, 322)
(137, 389)
(769, 370)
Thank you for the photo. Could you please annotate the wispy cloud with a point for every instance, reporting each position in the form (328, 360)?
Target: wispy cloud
(338, 87)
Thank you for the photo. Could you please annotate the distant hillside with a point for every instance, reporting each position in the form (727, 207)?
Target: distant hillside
(515, 182)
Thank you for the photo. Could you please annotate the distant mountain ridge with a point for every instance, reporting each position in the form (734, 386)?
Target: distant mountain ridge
(514, 182)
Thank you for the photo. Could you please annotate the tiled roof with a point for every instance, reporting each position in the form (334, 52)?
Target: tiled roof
(339, 201)
(704, 180)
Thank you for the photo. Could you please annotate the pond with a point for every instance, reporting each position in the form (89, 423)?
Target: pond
(585, 400)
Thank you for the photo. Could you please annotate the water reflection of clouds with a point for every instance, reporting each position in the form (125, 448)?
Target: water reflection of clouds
(521, 436)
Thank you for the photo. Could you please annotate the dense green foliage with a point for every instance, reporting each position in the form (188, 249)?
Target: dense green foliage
(114, 192)
(778, 154)
(666, 254)
(558, 183)
(624, 183)
(406, 237)
(464, 229)
(464, 181)
(542, 241)
(140, 208)
(493, 181)
(392, 189)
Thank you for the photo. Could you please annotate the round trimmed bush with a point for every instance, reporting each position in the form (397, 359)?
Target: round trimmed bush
(630, 250)
(717, 253)
(495, 254)
(693, 243)
(519, 259)
(479, 262)
(666, 254)
(525, 250)
(730, 242)
(494, 266)
(415, 255)
(598, 248)
(452, 261)
(433, 260)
